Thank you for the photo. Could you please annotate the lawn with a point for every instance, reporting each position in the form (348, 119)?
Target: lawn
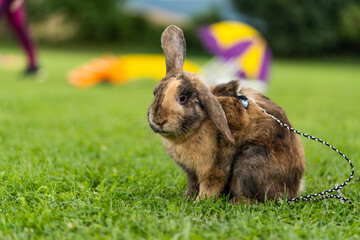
(83, 163)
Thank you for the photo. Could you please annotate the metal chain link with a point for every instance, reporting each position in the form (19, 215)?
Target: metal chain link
(321, 195)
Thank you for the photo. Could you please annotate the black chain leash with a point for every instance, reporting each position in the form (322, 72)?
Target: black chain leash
(321, 195)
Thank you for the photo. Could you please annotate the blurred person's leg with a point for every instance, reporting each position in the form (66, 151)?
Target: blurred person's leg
(17, 19)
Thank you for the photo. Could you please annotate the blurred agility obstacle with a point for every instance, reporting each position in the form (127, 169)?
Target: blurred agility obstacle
(122, 69)
(240, 52)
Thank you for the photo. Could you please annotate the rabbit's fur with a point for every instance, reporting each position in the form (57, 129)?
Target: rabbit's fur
(223, 147)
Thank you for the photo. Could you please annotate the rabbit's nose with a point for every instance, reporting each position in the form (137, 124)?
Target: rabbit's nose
(160, 122)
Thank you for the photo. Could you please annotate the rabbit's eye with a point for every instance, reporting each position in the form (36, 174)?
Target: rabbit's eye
(182, 98)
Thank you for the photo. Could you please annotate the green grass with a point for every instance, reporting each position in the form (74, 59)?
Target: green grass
(83, 163)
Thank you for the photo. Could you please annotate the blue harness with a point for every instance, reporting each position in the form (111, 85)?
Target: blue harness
(244, 100)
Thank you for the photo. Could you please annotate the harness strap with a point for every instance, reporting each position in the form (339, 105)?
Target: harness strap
(317, 196)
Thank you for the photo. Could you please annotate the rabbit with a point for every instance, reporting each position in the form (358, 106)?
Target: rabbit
(223, 147)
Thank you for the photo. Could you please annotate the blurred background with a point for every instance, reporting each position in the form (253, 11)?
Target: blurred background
(293, 28)
(285, 30)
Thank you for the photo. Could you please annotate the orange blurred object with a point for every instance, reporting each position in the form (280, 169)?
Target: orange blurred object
(122, 69)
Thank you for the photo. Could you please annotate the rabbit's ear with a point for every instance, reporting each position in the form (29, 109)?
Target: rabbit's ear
(213, 109)
(174, 46)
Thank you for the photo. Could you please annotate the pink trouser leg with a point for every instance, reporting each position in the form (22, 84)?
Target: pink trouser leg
(17, 20)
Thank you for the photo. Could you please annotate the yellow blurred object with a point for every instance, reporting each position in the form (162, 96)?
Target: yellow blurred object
(122, 69)
(230, 32)
(234, 41)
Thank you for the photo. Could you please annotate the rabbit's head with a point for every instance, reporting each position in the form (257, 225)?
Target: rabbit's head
(182, 102)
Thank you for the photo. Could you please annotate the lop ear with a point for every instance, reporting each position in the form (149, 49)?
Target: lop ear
(213, 109)
(174, 47)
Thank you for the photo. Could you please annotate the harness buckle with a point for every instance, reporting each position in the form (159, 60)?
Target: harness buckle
(244, 100)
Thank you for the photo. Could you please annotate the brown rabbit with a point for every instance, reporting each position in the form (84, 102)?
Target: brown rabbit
(223, 147)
